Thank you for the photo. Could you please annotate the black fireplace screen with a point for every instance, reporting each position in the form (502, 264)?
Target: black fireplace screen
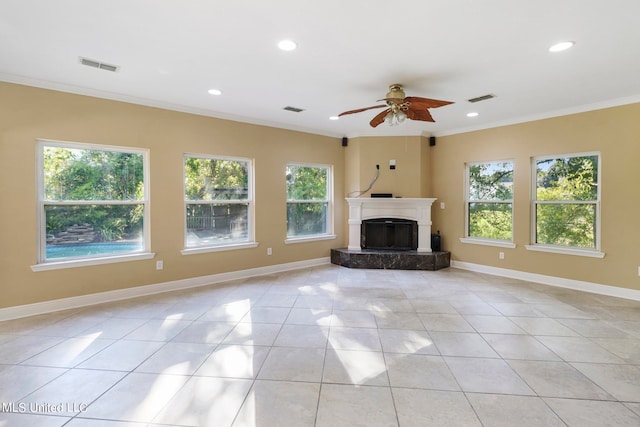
(389, 233)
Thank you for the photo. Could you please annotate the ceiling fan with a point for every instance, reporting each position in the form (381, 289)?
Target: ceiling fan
(401, 107)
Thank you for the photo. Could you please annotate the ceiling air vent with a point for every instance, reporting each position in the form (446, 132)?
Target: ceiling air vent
(98, 64)
(294, 109)
(482, 98)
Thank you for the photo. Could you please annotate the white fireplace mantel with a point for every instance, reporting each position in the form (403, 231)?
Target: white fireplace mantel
(415, 209)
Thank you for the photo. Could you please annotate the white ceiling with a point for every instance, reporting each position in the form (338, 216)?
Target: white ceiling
(170, 52)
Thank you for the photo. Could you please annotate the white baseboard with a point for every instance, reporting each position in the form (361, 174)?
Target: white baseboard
(594, 288)
(138, 291)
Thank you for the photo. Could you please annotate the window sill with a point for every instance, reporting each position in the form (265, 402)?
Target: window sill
(58, 265)
(488, 242)
(566, 251)
(304, 239)
(221, 248)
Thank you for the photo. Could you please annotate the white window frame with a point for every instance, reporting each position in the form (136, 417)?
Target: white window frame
(328, 200)
(568, 250)
(503, 243)
(61, 263)
(250, 243)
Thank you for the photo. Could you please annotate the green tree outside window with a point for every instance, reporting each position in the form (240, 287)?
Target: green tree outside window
(217, 200)
(567, 201)
(490, 200)
(91, 195)
(308, 196)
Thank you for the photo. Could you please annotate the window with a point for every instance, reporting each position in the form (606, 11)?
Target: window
(218, 201)
(93, 201)
(489, 204)
(566, 201)
(308, 200)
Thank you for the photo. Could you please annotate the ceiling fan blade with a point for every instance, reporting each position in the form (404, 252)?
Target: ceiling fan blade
(419, 114)
(360, 110)
(418, 102)
(379, 118)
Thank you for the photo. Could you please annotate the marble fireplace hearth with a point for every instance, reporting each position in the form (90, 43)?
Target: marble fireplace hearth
(390, 260)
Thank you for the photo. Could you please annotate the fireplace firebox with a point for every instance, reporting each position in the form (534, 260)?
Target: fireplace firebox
(389, 234)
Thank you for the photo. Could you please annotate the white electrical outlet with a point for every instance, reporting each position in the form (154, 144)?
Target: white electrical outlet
(441, 205)
(501, 255)
(159, 265)
(638, 271)
(269, 251)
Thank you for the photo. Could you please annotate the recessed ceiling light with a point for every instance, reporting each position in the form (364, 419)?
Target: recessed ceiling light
(559, 47)
(472, 114)
(287, 45)
(334, 118)
(215, 92)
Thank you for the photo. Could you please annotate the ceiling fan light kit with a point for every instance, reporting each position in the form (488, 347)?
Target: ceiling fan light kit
(395, 117)
(401, 107)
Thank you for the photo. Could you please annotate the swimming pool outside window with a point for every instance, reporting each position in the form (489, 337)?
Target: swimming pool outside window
(92, 201)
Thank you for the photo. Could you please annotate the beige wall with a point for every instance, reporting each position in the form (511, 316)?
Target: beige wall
(426, 158)
(27, 114)
(614, 132)
(409, 179)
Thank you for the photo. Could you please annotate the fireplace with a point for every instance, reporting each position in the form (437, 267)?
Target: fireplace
(389, 234)
(412, 209)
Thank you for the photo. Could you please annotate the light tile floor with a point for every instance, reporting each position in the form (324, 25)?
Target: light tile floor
(330, 346)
